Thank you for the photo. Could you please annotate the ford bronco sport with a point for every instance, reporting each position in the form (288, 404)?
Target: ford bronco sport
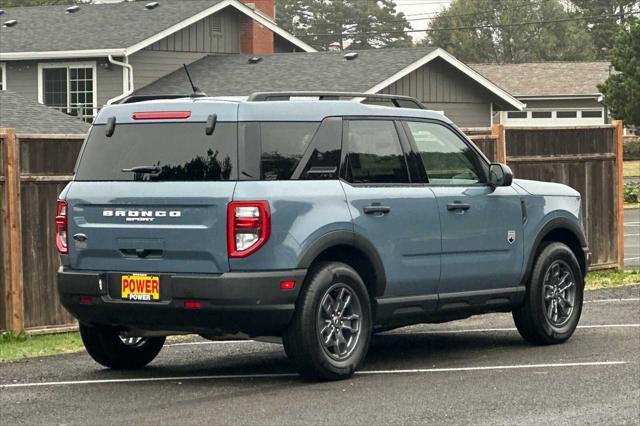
(317, 221)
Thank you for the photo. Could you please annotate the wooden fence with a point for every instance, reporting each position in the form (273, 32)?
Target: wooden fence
(33, 171)
(35, 168)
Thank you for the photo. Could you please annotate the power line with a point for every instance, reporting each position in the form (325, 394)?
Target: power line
(475, 27)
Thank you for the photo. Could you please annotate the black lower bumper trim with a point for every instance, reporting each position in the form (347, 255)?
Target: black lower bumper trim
(247, 302)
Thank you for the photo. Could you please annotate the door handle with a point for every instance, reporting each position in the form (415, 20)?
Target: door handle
(457, 205)
(375, 208)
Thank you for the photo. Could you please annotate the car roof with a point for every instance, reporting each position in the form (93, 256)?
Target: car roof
(238, 109)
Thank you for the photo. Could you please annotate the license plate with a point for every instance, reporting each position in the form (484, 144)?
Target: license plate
(140, 287)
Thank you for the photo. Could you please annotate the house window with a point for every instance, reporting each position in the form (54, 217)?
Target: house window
(3, 76)
(517, 114)
(541, 114)
(71, 88)
(591, 114)
(566, 114)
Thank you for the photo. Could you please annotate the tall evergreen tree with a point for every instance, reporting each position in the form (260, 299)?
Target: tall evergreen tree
(603, 31)
(622, 89)
(361, 23)
(491, 31)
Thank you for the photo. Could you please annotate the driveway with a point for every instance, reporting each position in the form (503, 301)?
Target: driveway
(632, 238)
(477, 370)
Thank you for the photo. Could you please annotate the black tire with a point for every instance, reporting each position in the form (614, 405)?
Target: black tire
(107, 348)
(302, 338)
(533, 320)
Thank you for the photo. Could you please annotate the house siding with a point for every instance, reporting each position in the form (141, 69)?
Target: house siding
(149, 65)
(199, 37)
(22, 78)
(441, 87)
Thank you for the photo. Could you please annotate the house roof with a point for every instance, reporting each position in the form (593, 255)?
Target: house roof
(28, 116)
(553, 79)
(371, 71)
(110, 28)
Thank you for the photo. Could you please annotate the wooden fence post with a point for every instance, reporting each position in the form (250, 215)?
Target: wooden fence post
(12, 231)
(618, 138)
(497, 130)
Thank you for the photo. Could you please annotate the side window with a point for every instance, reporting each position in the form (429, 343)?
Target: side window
(446, 158)
(283, 144)
(374, 153)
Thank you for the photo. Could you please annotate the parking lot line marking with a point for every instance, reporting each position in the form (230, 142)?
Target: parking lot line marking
(632, 235)
(210, 342)
(490, 330)
(631, 258)
(283, 375)
(628, 299)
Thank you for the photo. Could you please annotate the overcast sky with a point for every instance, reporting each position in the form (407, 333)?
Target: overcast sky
(418, 10)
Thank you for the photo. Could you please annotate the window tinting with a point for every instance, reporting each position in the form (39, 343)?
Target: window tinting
(541, 114)
(446, 158)
(591, 114)
(374, 153)
(283, 144)
(180, 151)
(517, 114)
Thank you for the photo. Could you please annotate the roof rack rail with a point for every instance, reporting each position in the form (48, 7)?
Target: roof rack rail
(397, 100)
(141, 98)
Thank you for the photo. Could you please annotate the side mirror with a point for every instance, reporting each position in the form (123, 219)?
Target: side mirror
(500, 175)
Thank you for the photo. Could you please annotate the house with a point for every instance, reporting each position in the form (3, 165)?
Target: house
(555, 93)
(431, 75)
(28, 116)
(78, 58)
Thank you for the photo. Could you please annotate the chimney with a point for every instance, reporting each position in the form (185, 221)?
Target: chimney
(254, 37)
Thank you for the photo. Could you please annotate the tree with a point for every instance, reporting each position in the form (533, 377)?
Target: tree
(622, 90)
(493, 31)
(603, 31)
(365, 24)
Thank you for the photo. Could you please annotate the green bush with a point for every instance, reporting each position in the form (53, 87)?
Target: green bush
(631, 190)
(631, 150)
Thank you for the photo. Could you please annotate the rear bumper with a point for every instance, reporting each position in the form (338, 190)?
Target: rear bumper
(247, 302)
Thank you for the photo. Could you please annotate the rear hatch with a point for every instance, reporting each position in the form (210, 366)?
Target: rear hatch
(152, 196)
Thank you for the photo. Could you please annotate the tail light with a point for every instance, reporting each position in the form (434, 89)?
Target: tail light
(248, 227)
(62, 238)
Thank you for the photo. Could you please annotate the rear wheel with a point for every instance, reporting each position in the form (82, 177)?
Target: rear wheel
(553, 302)
(331, 329)
(108, 347)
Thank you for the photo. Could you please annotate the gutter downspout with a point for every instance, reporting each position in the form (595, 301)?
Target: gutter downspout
(129, 69)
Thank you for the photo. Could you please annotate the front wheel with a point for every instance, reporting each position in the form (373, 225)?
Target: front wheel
(331, 329)
(553, 301)
(108, 347)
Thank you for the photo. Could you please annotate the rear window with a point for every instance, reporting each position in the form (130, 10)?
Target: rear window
(163, 151)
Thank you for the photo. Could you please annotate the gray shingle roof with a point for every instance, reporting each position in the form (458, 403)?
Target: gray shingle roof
(232, 75)
(28, 116)
(546, 78)
(97, 26)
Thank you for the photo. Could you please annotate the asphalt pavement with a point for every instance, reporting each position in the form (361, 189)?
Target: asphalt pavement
(476, 370)
(632, 238)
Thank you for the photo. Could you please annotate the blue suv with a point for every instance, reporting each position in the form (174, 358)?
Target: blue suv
(317, 218)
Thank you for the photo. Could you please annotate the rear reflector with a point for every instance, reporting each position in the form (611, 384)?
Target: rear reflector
(161, 115)
(192, 304)
(287, 285)
(86, 300)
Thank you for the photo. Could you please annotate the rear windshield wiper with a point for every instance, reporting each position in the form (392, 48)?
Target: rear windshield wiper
(143, 169)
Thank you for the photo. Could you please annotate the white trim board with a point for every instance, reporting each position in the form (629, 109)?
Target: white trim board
(3, 67)
(440, 53)
(159, 36)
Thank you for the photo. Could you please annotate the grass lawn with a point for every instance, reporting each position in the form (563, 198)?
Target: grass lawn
(631, 168)
(602, 279)
(14, 347)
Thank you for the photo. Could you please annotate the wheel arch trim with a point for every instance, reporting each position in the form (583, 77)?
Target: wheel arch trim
(348, 238)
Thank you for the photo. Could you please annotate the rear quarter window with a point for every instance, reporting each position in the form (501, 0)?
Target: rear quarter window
(283, 145)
